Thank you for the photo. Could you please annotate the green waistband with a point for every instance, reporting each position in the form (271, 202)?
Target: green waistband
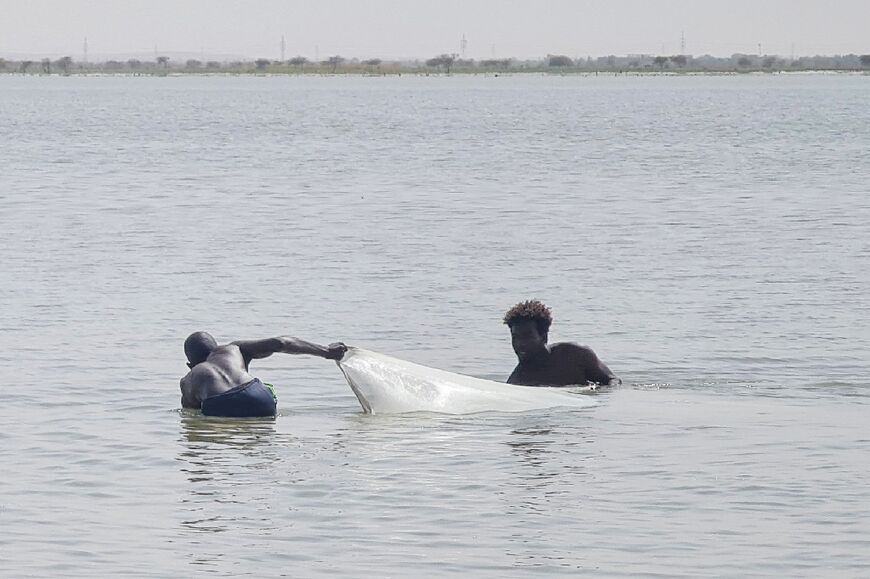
(271, 388)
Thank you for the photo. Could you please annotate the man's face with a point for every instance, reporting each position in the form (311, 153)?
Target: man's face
(527, 340)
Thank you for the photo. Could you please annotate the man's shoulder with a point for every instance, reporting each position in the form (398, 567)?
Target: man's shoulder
(571, 349)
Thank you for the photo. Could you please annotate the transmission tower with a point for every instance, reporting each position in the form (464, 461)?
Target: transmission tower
(683, 42)
(463, 46)
(283, 48)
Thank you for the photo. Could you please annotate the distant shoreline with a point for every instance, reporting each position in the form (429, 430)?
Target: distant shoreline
(451, 64)
(413, 73)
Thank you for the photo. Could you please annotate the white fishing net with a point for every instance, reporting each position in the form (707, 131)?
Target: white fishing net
(389, 385)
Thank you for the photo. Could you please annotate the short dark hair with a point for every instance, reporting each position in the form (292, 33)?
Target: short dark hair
(198, 346)
(530, 310)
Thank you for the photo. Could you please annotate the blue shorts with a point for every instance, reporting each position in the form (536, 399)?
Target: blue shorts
(248, 400)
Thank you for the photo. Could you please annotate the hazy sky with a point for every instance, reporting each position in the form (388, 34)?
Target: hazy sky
(418, 28)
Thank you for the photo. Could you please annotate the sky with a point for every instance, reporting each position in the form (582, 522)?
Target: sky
(408, 29)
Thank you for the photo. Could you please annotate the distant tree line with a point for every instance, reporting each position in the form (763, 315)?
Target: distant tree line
(444, 61)
(707, 63)
(449, 63)
(62, 65)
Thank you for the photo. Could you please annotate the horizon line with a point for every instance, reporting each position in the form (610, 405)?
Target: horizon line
(103, 57)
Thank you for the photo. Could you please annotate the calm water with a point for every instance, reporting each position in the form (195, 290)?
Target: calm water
(708, 237)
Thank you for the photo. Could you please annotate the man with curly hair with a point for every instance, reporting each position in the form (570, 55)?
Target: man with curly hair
(561, 364)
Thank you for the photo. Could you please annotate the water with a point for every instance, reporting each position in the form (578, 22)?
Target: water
(707, 236)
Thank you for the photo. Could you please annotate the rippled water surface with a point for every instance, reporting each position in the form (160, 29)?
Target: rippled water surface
(709, 237)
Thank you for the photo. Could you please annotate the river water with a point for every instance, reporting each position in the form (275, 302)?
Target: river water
(708, 237)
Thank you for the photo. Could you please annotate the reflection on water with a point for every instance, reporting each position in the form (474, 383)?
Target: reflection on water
(548, 464)
(227, 463)
(242, 432)
(529, 446)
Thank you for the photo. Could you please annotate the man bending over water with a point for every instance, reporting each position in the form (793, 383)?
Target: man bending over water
(561, 364)
(219, 382)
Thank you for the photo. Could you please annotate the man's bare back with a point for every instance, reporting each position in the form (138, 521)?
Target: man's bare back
(218, 370)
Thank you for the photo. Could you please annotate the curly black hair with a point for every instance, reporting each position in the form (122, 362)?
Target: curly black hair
(530, 310)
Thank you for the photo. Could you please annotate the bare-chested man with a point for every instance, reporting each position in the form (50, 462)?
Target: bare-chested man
(561, 364)
(219, 383)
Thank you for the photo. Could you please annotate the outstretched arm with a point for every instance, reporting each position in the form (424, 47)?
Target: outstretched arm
(254, 349)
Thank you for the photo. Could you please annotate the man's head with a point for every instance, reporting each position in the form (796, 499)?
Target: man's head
(198, 346)
(529, 323)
